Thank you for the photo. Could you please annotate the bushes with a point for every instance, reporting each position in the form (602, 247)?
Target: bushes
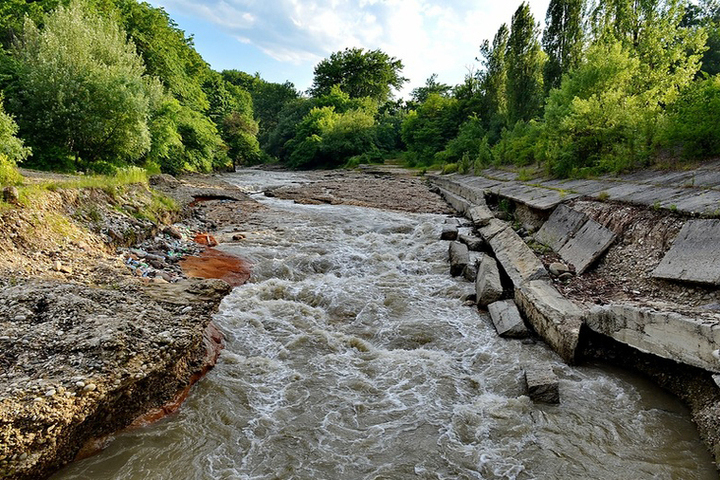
(693, 122)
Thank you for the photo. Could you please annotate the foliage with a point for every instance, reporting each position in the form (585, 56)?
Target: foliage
(562, 39)
(359, 73)
(519, 146)
(9, 174)
(694, 120)
(525, 61)
(600, 119)
(81, 90)
(325, 138)
(465, 144)
(12, 149)
(427, 130)
(420, 94)
(494, 78)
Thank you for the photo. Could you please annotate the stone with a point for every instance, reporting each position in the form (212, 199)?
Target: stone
(173, 231)
(666, 334)
(480, 215)
(562, 224)
(587, 245)
(542, 384)
(517, 259)
(556, 269)
(488, 286)
(449, 232)
(556, 319)
(530, 218)
(11, 194)
(474, 244)
(57, 265)
(566, 277)
(695, 254)
(493, 227)
(459, 258)
(506, 318)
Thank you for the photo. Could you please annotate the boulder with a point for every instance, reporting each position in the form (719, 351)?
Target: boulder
(474, 244)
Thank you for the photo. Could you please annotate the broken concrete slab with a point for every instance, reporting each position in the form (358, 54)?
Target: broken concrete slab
(470, 271)
(459, 258)
(488, 286)
(507, 320)
(542, 384)
(562, 224)
(474, 243)
(695, 254)
(449, 232)
(587, 245)
(458, 203)
(517, 259)
(668, 335)
(480, 215)
(556, 319)
(493, 227)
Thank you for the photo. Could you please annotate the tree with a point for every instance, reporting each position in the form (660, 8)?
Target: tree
(493, 83)
(428, 129)
(420, 94)
(359, 74)
(82, 90)
(524, 67)
(562, 39)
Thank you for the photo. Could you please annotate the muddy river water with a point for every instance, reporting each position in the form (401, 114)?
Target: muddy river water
(350, 355)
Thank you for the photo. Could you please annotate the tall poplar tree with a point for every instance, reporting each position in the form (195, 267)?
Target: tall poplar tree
(525, 61)
(562, 39)
(494, 77)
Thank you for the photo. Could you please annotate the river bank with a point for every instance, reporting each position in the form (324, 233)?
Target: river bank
(138, 304)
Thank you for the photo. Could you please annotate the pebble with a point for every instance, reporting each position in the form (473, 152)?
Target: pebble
(50, 392)
(80, 384)
(89, 387)
(186, 309)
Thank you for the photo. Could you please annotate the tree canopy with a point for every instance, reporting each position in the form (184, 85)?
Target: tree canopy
(359, 73)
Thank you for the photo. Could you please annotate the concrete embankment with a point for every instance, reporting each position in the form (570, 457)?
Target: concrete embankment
(556, 241)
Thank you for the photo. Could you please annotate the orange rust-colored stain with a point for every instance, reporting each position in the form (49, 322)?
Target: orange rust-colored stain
(205, 239)
(213, 263)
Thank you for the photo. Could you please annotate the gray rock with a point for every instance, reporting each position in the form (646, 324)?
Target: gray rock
(506, 318)
(488, 287)
(566, 277)
(556, 269)
(542, 384)
(11, 194)
(459, 258)
(695, 254)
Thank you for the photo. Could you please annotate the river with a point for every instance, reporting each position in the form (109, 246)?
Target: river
(350, 355)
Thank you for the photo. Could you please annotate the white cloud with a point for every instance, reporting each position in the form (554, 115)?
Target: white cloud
(429, 36)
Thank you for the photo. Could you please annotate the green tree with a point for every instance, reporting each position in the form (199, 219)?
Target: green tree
(82, 90)
(420, 94)
(359, 73)
(562, 39)
(428, 129)
(11, 147)
(694, 120)
(493, 80)
(525, 61)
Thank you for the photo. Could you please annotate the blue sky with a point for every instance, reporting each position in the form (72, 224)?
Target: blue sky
(285, 39)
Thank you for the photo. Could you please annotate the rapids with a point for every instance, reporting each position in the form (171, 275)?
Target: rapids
(350, 355)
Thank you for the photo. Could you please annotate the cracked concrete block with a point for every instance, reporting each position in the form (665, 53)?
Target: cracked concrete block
(517, 259)
(556, 319)
(459, 258)
(542, 384)
(695, 254)
(507, 320)
(487, 285)
(587, 245)
(562, 224)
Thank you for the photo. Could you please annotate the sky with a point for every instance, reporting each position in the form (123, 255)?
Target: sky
(284, 39)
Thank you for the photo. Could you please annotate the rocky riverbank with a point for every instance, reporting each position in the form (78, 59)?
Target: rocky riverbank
(101, 328)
